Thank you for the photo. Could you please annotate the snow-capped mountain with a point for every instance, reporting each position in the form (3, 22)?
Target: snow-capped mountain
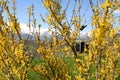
(45, 34)
(25, 31)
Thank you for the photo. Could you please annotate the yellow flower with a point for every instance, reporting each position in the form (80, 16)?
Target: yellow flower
(23, 63)
(106, 4)
(102, 71)
(15, 26)
(80, 69)
(55, 40)
(77, 60)
(40, 49)
(116, 45)
(112, 32)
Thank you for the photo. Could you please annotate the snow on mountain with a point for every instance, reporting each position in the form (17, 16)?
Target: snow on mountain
(44, 33)
(84, 36)
(116, 11)
(25, 29)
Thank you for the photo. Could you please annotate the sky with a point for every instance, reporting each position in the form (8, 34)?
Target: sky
(22, 6)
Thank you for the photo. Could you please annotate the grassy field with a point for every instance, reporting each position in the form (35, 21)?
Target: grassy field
(32, 75)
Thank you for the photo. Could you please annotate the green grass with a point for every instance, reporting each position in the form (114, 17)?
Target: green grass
(71, 64)
(32, 75)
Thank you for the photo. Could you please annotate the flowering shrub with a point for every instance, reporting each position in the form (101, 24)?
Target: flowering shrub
(100, 61)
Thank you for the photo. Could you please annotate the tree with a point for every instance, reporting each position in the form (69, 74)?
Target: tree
(14, 61)
(103, 53)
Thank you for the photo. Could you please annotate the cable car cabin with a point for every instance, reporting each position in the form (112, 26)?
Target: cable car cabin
(80, 46)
